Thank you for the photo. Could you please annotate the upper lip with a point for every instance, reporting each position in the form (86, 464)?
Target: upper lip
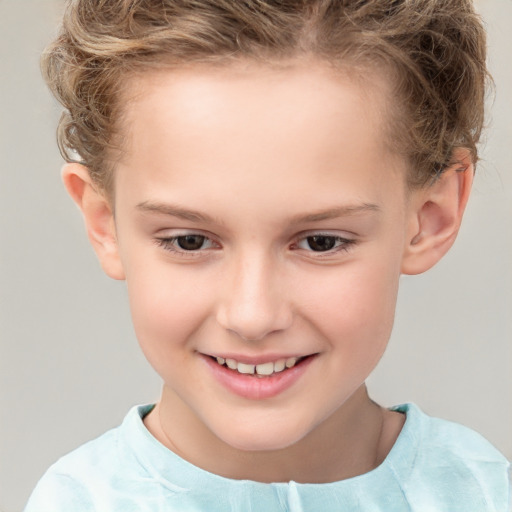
(259, 359)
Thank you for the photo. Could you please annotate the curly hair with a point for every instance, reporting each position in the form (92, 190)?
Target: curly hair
(434, 50)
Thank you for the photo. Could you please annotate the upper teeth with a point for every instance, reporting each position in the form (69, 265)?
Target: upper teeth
(260, 369)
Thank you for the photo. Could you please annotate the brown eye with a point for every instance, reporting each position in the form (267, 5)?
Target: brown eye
(325, 243)
(321, 243)
(190, 242)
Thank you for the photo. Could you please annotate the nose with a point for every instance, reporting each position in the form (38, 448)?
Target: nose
(254, 301)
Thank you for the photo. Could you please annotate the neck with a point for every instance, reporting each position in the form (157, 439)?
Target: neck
(353, 440)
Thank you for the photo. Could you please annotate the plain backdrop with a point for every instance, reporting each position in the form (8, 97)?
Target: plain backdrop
(70, 367)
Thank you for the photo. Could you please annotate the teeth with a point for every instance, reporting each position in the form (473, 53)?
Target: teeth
(290, 362)
(231, 363)
(245, 368)
(260, 369)
(280, 365)
(265, 369)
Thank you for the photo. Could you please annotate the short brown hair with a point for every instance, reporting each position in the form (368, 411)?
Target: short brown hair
(435, 50)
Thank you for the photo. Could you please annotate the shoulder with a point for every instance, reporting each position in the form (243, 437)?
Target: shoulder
(454, 440)
(66, 484)
(455, 461)
(75, 480)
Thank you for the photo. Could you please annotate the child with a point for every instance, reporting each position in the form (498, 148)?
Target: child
(261, 173)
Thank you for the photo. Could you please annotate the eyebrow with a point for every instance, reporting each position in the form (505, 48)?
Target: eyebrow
(176, 211)
(197, 216)
(334, 213)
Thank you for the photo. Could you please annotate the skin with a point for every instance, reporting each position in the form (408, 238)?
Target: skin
(257, 159)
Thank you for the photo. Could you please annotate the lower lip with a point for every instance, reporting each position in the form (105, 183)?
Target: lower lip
(257, 388)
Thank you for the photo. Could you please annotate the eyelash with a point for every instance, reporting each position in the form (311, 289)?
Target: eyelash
(340, 243)
(169, 244)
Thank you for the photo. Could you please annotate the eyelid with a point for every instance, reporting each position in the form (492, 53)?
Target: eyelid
(167, 242)
(168, 239)
(347, 242)
(344, 235)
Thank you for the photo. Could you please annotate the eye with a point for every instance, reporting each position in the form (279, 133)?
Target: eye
(190, 242)
(187, 244)
(324, 243)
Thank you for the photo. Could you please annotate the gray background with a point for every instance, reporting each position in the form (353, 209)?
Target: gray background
(69, 363)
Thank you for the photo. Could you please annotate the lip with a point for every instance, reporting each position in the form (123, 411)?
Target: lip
(253, 387)
(260, 359)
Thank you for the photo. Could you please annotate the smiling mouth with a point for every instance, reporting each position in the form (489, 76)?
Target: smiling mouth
(260, 370)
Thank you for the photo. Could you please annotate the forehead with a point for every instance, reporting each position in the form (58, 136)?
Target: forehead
(298, 121)
(303, 90)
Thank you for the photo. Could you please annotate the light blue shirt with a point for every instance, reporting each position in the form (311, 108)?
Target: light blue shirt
(434, 466)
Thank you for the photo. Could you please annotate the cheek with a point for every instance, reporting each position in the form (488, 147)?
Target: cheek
(353, 307)
(168, 306)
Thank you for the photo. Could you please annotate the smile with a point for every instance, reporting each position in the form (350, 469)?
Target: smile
(260, 378)
(263, 369)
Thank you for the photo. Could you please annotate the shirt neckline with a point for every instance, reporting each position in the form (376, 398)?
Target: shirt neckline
(166, 466)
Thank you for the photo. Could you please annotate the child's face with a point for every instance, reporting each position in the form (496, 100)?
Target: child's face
(296, 217)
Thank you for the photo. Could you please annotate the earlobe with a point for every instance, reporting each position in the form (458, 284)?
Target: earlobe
(98, 217)
(435, 215)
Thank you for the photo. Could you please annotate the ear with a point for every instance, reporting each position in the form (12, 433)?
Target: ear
(436, 214)
(98, 216)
